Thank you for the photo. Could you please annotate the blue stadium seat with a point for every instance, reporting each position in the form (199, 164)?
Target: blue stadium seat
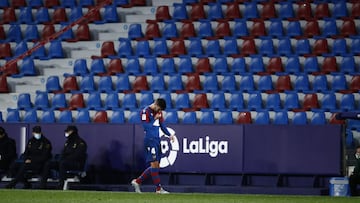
(339, 47)
(273, 102)
(347, 102)
(247, 83)
(329, 28)
(58, 101)
(207, 117)
(160, 47)
(256, 64)
(129, 101)
(86, 3)
(250, 10)
(204, 29)
(135, 31)
(97, 66)
(134, 117)
(225, 117)
(266, 47)
(292, 64)
(210, 83)
(276, 28)
(133, 65)
(284, 47)
(53, 83)
(48, 117)
(13, 116)
(236, 101)
(39, 53)
(31, 33)
(20, 48)
(94, 101)
(30, 116)
(75, 13)
(105, 84)
(117, 116)
(157, 83)
(238, 65)
(4, 4)
(214, 11)
(338, 82)
(80, 67)
(55, 50)
(195, 47)
(230, 46)
(27, 68)
(25, 16)
(311, 65)
(293, 29)
(189, 118)
(82, 116)
(302, 47)
(218, 101)
(212, 48)
(112, 101)
(254, 101)
(228, 83)
(124, 48)
(286, 10)
(265, 83)
(142, 48)
(167, 96)
(318, 118)
(220, 65)
(110, 14)
(179, 11)
(347, 64)
(87, 83)
(175, 83)
(291, 101)
(169, 30)
(65, 117)
(121, 2)
(182, 101)
(150, 65)
(14, 33)
(328, 102)
(262, 118)
(240, 28)
(68, 3)
(171, 117)
(281, 118)
(41, 100)
(299, 118)
(122, 82)
(167, 66)
(68, 34)
(319, 83)
(146, 98)
(301, 83)
(339, 10)
(355, 45)
(24, 101)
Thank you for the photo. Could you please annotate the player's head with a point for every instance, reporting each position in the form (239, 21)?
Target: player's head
(161, 104)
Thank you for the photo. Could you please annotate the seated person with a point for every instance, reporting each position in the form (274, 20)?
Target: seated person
(354, 179)
(37, 153)
(7, 151)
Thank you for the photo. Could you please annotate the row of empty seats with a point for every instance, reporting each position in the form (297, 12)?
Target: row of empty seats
(174, 117)
(332, 102)
(207, 82)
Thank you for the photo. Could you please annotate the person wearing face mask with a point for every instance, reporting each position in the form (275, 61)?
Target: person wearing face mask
(37, 153)
(7, 150)
(354, 179)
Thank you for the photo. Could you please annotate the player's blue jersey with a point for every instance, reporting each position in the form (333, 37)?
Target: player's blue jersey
(152, 126)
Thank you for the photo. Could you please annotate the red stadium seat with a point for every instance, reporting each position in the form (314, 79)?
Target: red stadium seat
(140, 84)
(101, 117)
(355, 10)
(248, 47)
(304, 10)
(258, 29)
(4, 88)
(51, 3)
(8, 15)
(197, 11)
(268, 10)
(108, 49)
(232, 11)
(322, 11)
(193, 83)
(355, 83)
(329, 65)
(5, 50)
(18, 3)
(115, 67)
(76, 101)
(283, 83)
(310, 102)
(187, 30)
(312, 28)
(82, 33)
(162, 13)
(47, 31)
(200, 101)
(70, 84)
(244, 118)
(177, 47)
(59, 15)
(222, 29)
(320, 47)
(348, 28)
(152, 30)
(203, 65)
(275, 65)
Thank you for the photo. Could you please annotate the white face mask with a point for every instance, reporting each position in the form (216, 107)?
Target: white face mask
(357, 155)
(37, 136)
(67, 134)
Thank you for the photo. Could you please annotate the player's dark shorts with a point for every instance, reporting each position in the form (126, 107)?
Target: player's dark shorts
(152, 150)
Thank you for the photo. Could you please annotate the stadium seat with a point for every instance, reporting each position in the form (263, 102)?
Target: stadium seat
(247, 83)
(264, 83)
(182, 101)
(31, 33)
(24, 101)
(171, 117)
(5, 50)
(338, 83)
(193, 82)
(30, 116)
(329, 65)
(220, 65)
(293, 29)
(320, 47)
(75, 13)
(311, 65)
(68, 35)
(53, 83)
(20, 48)
(97, 67)
(225, 117)
(274, 65)
(179, 11)
(339, 10)
(59, 15)
(152, 31)
(135, 31)
(262, 118)
(251, 10)
(210, 83)
(228, 83)
(76, 101)
(348, 28)
(240, 28)
(124, 48)
(273, 102)
(87, 83)
(187, 30)
(258, 29)
(189, 118)
(197, 12)
(25, 16)
(13, 116)
(142, 48)
(204, 29)
(122, 82)
(133, 65)
(339, 47)
(268, 11)
(9, 15)
(318, 118)
(283, 83)
(347, 102)
(82, 116)
(328, 102)
(177, 47)
(80, 67)
(166, 95)
(255, 101)
(248, 47)
(39, 53)
(244, 118)
(236, 101)
(117, 116)
(238, 65)
(140, 84)
(41, 100)
(195, 47)
(93, 101)
(70, 84)
(169, 30)
(108, 49)
(276, 28)
(160, 47)
(319, 83)
(281, 118)
(310, 102)
(27, 68)
(291, 101)
(230, 46)
(355, 45)
(42, 15)
(146, 98)
(266, 47)
(302, 47)
(203, 65)
(222, 29)
(65, 117)
(207, 117)
(312, 28)
(110, 14)
(52, 3)
(329, 28)
(48, 117)
(303, 10)
(55, 50)
(58, 101)
(129, 101)
(218, 101)
(322, 10)
(232, 11)
(200, 101)
(355, 83)
(4, 4)
(284, 47)
(214, 11)
(101, 117)
(112, 101)
(299, 118)
(14, 33)
(115, 67)
(150, 65)
(355, 10)
(167, 66)
(302, 83)
(256, 64)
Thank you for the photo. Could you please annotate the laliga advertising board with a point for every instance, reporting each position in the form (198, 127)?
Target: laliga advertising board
(204, 148)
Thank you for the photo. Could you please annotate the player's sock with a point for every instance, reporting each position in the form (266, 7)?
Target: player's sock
(156, 177)
(144, 175)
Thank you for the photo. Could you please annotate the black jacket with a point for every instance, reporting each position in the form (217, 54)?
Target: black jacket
(7, 151)
(74, 149)
(357, 168)
(38, 151)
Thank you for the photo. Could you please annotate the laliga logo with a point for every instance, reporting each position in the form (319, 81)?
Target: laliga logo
(170, 151)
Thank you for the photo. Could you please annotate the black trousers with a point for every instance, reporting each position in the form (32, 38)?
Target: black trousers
(62, 166)
(21, 171)
(354, 180)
